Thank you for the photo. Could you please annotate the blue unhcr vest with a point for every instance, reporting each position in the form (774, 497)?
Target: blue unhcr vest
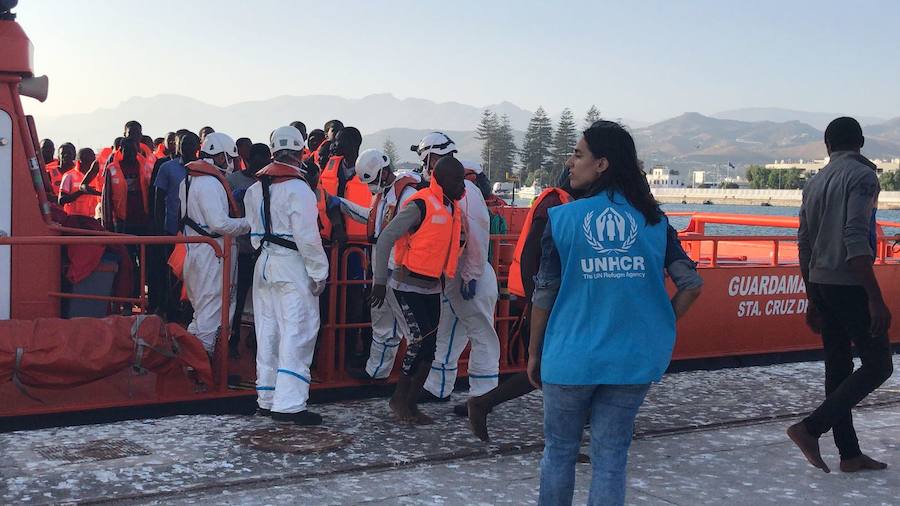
(612, 322)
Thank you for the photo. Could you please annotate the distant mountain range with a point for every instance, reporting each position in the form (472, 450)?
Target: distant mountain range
(742, 136)
(695, 138)
(817, 119)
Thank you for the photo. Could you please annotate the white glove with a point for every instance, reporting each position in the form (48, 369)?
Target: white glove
(317, 287)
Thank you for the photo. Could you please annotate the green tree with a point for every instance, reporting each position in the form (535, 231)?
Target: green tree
(504, 154)
(758, 176)
(563, 143)
(536, 152)
(390, 150)
(890, 181)
(593, 114)
(487, 133)
(793, 179)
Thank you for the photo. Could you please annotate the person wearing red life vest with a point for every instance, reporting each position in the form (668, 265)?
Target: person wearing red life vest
(338, 178)
(208, 209)
(424, 241)
(315, 139)
(290, 275)
(76, 200)
(126, 191)
(48, 150)
(390, 191)
(57, 168)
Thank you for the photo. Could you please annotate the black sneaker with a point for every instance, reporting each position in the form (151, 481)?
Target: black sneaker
(461, 410)
(430, 397)
(301, 418)
(263, 412)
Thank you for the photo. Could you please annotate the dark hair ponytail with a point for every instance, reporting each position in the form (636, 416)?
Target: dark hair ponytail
(608, 139)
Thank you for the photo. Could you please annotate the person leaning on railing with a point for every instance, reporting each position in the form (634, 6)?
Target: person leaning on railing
(603, 326)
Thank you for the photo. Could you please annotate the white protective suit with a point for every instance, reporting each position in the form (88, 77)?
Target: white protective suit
(388, 323)
(469, 320)
(286, 309)
(207, 205)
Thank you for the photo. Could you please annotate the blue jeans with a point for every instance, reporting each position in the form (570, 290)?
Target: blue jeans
(612, 409)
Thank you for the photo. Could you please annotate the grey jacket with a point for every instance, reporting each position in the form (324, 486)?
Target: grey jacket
(837, 218)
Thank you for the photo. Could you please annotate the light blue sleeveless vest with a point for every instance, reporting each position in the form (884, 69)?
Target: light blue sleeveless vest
(612, 322)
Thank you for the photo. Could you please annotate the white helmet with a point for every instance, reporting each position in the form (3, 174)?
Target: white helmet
(473, 166)
(217, 142)
(286, 137)
(435, 143)
(370, 163)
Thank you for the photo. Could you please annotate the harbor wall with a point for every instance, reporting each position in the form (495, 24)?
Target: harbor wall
(790, 198)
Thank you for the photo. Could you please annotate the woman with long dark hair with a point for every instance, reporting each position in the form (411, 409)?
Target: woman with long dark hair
(603, 326)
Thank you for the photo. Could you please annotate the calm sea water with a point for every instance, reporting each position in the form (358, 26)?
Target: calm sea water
(680, 222)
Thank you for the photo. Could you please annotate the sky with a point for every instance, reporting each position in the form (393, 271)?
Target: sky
(646, 60)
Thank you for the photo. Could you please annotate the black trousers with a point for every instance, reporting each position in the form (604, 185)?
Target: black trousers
(422, 313)
(245, 267)
(845, 321)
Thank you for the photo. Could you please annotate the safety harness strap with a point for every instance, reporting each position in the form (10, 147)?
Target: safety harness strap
(268, 236)
(187, 220)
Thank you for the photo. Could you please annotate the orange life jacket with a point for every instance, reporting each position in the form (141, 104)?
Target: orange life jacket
(179, 252)
(354, 190)
(103, 157)
(55, 175)
(84, 205)
(118, 187)
(201, 168)
(434, 248)
(399, 186)
(515, 284)
(324, 221)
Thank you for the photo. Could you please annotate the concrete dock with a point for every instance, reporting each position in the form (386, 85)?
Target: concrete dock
(702, 437)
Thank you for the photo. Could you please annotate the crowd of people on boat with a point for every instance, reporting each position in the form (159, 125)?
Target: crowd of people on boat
(591, 262)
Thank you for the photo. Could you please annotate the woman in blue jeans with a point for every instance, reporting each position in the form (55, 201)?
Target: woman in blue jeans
(603, 326)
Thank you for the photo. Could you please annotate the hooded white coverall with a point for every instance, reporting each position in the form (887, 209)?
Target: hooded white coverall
(286, 309)
(469, 320)
(207, 205)
(388, 323)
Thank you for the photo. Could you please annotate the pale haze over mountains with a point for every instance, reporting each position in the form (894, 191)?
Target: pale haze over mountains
(743, 136)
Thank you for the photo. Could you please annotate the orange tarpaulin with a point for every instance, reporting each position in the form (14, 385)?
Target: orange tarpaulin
(57, 354)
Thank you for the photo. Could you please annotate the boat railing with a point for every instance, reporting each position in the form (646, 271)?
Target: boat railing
(338, 325)
(141, 302)
(694, 234)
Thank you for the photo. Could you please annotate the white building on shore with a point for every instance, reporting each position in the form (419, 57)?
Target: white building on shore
(663, 177)
(814, 166)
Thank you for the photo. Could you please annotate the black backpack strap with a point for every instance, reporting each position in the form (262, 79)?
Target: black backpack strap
(268, 236)
(186, 221)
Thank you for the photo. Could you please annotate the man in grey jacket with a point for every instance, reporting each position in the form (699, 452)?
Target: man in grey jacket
(837, 245)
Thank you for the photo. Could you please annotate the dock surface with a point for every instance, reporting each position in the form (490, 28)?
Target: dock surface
(702, 437)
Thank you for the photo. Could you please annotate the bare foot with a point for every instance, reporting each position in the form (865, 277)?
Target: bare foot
(862, 463)
(808, 444)
(478, 419)
(401, 411)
